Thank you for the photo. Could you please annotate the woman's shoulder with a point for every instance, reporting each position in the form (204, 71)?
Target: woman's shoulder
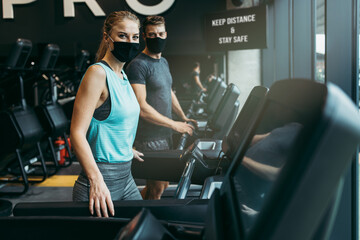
(95, 73)
(97, 70)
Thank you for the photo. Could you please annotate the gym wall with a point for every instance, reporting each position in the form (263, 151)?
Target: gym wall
(43, 21)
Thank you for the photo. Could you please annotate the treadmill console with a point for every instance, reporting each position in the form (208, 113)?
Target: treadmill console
(144, 226)
(210, 148)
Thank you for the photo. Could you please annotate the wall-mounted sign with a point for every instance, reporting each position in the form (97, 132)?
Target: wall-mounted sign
(77, 24)
(236, 29)
(8, 7)
(69, 8)
(94, 7)
(146, 10)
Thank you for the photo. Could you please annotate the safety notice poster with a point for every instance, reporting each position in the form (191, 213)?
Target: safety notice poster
(236, 29)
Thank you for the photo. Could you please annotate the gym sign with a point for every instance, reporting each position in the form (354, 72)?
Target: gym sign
(236, 29)
(69, 7)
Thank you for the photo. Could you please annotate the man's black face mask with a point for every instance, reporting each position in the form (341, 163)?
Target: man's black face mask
(155, 45)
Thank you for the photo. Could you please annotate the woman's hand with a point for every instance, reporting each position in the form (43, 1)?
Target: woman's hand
(138, 155)
(100, 198)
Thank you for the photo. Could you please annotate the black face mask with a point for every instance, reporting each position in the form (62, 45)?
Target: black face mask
(125, 51)
(155, 45)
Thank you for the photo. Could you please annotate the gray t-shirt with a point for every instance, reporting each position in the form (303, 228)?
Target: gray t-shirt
(155, 74)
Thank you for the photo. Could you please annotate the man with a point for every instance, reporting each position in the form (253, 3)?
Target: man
(195, 79)
(151, 81)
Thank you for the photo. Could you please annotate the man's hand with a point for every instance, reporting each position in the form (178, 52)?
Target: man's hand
(183, 127)
(191, 120)
(138, 155)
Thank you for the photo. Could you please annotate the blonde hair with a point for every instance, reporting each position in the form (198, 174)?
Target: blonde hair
(109, 23)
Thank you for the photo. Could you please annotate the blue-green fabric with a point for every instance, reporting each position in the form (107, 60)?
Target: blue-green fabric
(111, 140)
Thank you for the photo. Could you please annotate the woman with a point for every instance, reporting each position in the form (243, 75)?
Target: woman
(105, 119)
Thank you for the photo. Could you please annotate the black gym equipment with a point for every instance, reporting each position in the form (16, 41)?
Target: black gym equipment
(314, 132)
(177, 210)
(69, 78)
(5, 208)
(220, 121)
(272, 199)
(81, 64)
(202, 108)
(197, 105)
(50, 112)
(206, 105)
(207, 109)
(312, 127)
(144, 226)
(60, 228)
(21, 130)
(247, 116)
(215, 167)
(169, 165)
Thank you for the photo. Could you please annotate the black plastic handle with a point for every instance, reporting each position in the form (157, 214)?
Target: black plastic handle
(183, 138)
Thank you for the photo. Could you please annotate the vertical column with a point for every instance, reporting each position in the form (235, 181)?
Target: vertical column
(244, 66)
(303, 39)
(342, 67)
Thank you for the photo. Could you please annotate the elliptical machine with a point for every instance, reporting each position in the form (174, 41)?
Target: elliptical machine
(20, 128)
(50, 112)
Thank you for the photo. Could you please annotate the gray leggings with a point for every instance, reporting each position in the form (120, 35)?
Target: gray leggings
(118, 179)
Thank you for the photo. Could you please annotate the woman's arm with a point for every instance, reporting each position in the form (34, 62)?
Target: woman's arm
(87, 99)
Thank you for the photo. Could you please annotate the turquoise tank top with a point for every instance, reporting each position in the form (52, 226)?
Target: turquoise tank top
(111, 140)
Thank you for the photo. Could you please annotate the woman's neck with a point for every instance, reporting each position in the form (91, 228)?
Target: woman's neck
(114, 63)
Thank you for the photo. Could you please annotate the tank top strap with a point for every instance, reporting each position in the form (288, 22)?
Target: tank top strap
(107, 69)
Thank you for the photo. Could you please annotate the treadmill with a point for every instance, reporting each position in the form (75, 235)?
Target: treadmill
(198, 107)
(285, 178)
(172, 165)
(220, 122)
(311, 126)
(169, 165)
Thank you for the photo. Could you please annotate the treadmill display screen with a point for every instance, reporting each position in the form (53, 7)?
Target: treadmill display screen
(238, 132)
(270, 148)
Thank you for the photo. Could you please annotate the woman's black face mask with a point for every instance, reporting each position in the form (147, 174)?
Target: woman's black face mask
(155, 45)
(124, 51)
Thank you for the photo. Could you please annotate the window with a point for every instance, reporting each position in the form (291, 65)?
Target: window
(320, 41)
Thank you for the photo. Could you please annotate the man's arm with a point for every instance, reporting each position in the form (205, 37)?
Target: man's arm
(265, 171)
(149, 114)
(176, 107)
(178, 110)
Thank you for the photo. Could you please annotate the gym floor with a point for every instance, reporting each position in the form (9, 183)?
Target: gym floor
(55, 188)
